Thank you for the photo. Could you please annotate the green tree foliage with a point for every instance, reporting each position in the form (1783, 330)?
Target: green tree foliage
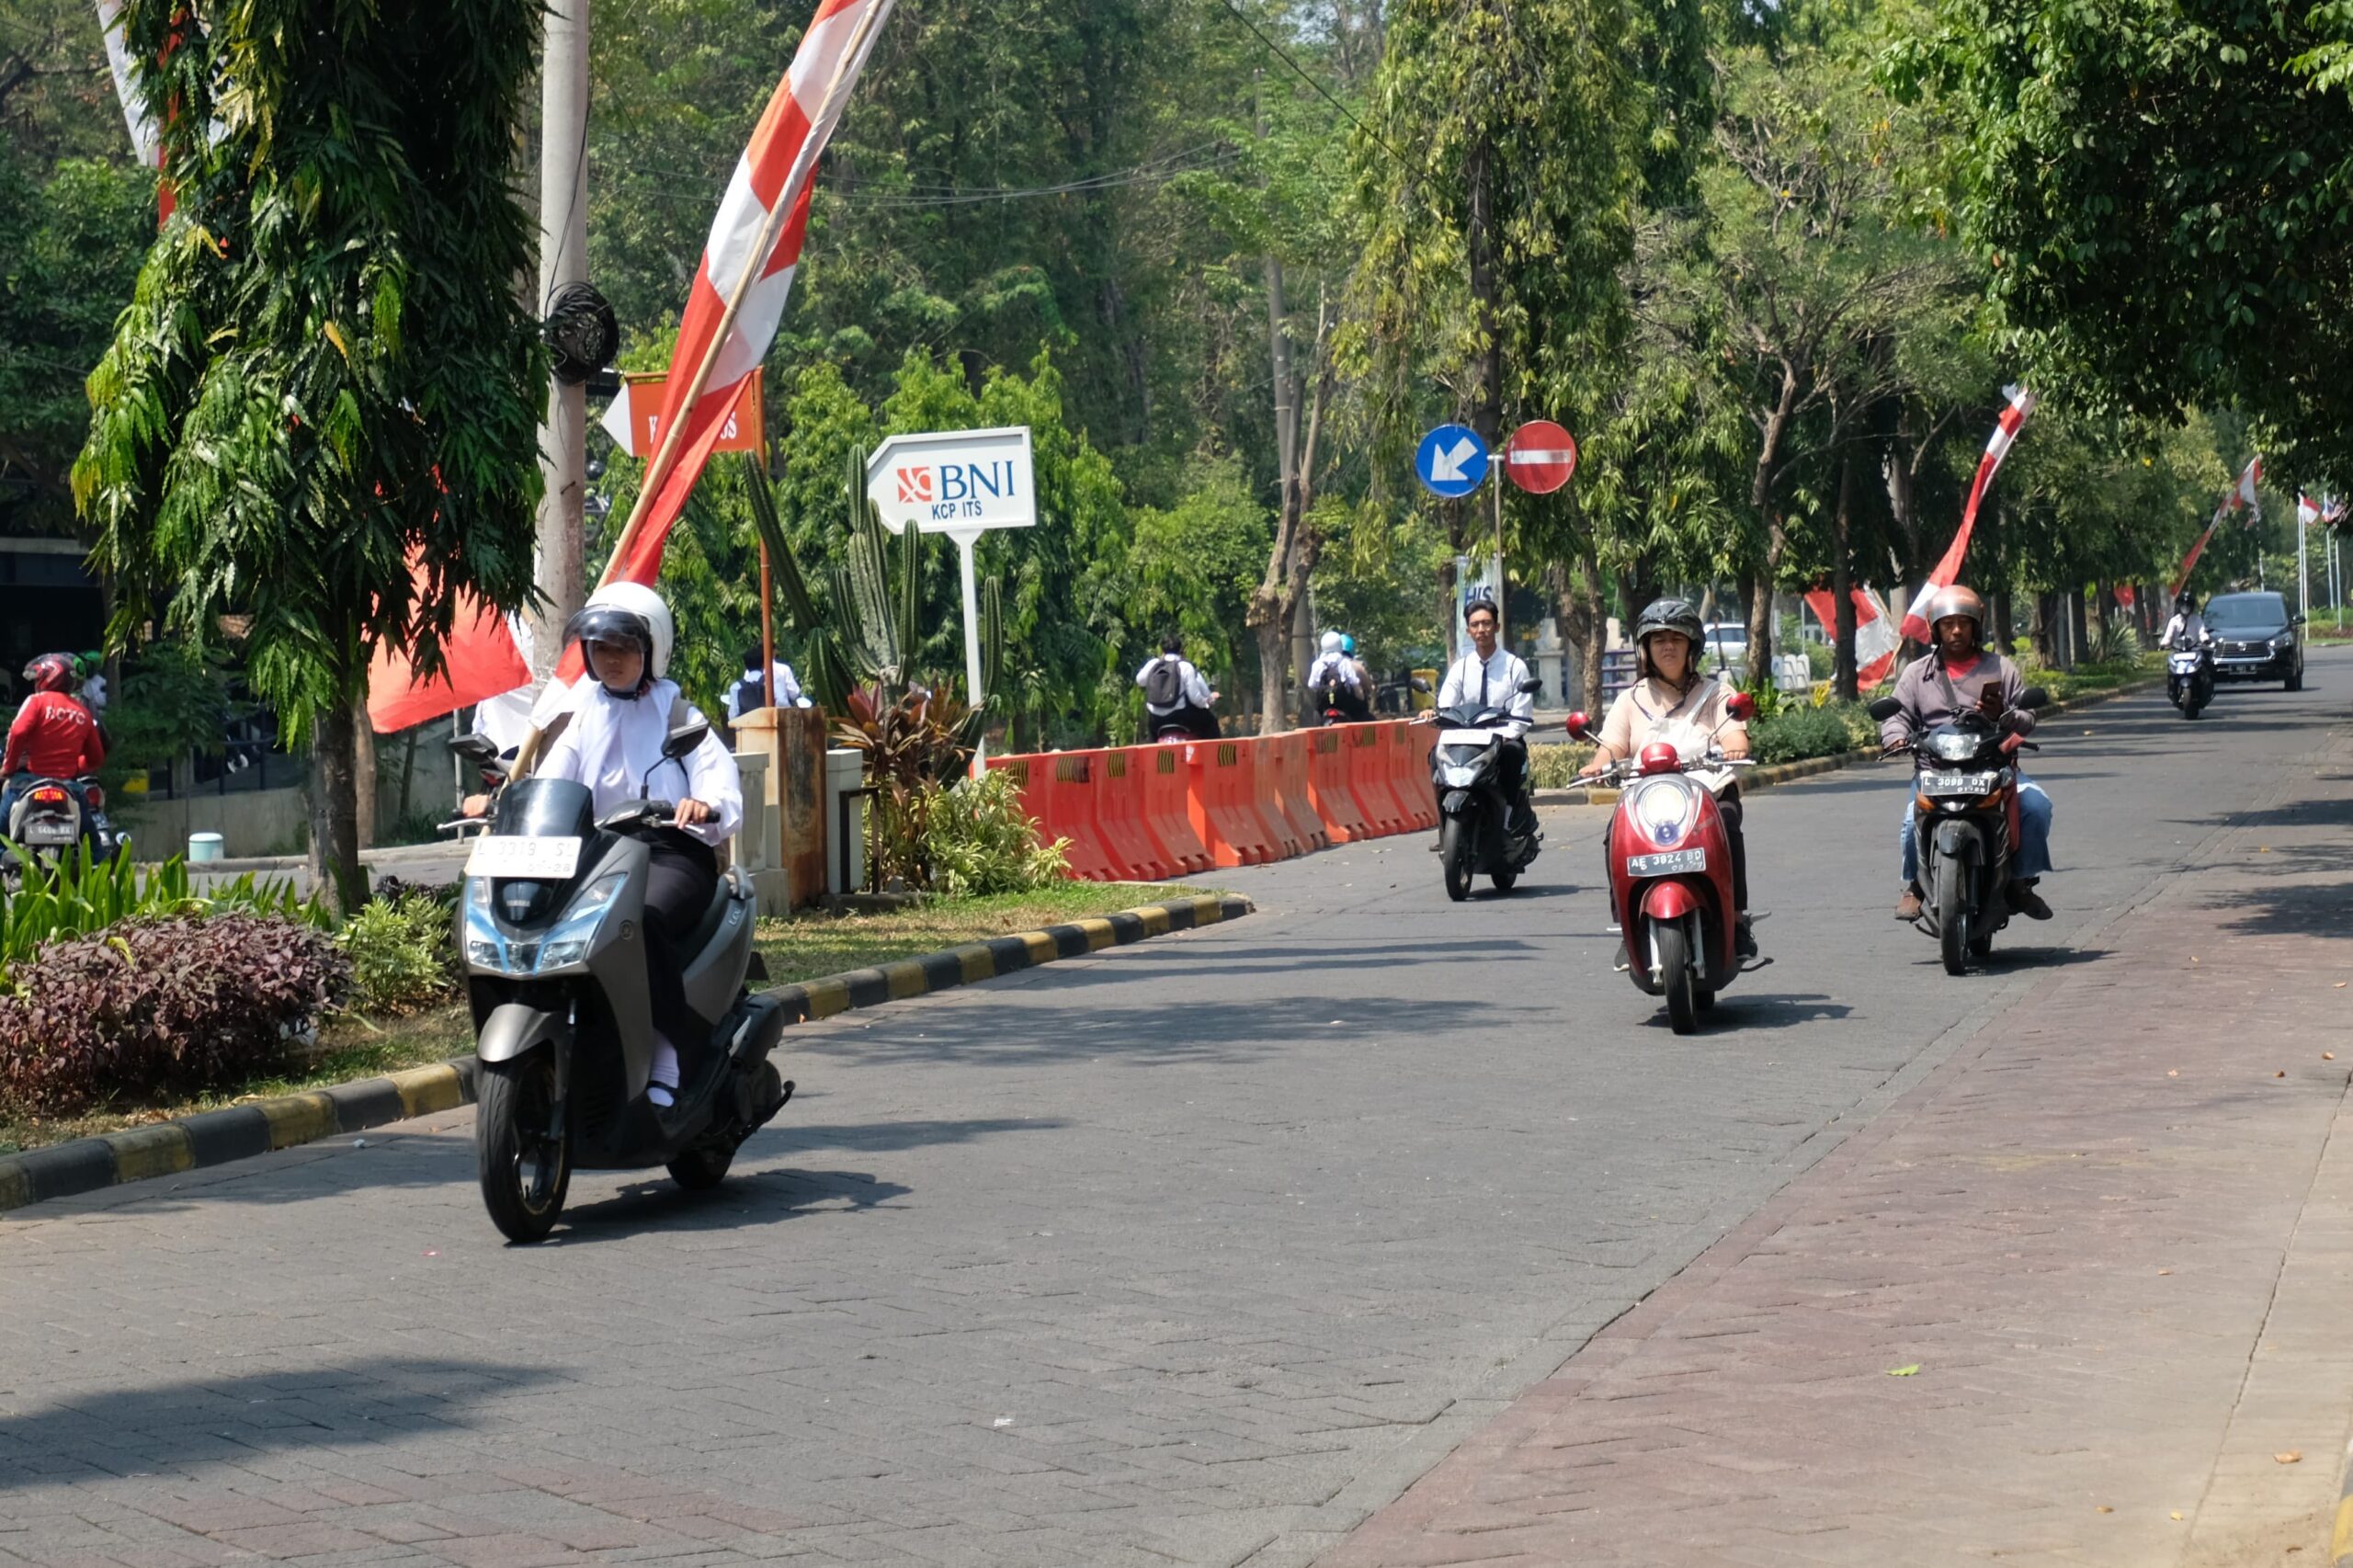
(324, 369)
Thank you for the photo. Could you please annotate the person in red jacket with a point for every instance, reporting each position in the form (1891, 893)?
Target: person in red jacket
(53, 737)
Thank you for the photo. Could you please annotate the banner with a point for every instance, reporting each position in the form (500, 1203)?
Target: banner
(1876, 644)
(1997, 447)
(482, 661)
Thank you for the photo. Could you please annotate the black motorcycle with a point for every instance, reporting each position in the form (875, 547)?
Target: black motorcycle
(1964, 827)
(48, 818)
(1475, 837)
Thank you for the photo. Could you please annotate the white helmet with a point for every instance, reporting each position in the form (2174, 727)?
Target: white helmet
(627, 610)
(1331, 642)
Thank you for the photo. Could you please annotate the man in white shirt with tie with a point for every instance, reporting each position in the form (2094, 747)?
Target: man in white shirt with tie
(1489, 677)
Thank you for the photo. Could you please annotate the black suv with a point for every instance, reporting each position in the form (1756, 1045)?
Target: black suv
(2255, 638)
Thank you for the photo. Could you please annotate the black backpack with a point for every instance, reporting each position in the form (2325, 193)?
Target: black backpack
(751, 693)
(1163, 684)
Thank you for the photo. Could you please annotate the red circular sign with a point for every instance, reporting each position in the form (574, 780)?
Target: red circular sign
(1539, 457)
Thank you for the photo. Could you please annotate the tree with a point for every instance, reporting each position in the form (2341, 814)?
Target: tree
(324, 373)
(2159, 197)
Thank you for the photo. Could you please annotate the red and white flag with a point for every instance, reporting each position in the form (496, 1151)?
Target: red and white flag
(772, 179)
(1997, 447)
(144, 142)
(2241, 497)
(2307, 510)
(1876, 644)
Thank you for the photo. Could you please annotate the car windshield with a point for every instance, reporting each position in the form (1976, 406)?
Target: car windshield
(2247, 609)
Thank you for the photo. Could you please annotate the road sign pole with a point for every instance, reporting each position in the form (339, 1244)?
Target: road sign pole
(1497, 576)
(965, 540)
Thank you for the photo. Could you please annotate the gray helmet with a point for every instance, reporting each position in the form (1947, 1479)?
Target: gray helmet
(1675, 615)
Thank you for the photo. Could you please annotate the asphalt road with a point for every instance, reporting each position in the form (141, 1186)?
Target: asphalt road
(1192, 1252)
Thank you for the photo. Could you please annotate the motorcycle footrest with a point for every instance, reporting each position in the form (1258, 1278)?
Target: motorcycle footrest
(1750, 966)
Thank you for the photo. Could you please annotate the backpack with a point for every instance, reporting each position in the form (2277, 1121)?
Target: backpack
(1163, 684)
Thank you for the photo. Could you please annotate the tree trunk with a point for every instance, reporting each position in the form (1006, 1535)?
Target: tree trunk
(1843, 680)
(1274, 670)
(1760, 608)
(2044, 630)
(336, 870)
(363, 774)
(1592, 632)
(2078, 638)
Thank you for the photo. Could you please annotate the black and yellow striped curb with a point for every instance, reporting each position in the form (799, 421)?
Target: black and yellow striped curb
(1807, 767)
(237, 1133)
(2340, 1534)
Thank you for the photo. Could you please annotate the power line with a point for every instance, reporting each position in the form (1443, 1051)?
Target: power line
(1299, 71)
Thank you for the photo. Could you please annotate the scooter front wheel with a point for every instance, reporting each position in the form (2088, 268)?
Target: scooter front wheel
(1953, 915)
(1454, 858)
(1675, 980)
(525, 1162)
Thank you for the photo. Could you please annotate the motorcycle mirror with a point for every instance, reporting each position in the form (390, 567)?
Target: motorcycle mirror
(2033, 698)
(474, 748)
(1740, 706)
(1579, 726)
(1530, 687)
(679, 742)
(1886, 708)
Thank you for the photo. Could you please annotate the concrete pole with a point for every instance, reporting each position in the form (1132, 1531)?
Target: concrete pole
(564, 258)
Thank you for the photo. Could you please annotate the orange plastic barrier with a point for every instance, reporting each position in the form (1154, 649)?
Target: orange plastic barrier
(1283, 760)
(1266, 798)
(1165, 782)
(1411, 781)
(1222, 803)
(1367, 751)
(1329, 787)
(1119, 815)
(1057, 792)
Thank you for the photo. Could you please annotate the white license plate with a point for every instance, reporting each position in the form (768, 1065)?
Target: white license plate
(547, 859)
(50, 832)
(1666, 863)
(1958, 783)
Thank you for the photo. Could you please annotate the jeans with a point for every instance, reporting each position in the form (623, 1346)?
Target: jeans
(2033, 856)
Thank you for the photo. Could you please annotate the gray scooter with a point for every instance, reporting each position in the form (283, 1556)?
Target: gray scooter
(550, 929)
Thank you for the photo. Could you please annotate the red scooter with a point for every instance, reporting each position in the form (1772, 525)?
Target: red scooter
(1670, 875)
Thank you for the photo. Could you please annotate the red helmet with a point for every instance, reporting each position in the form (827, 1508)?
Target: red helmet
(1660, 757)
(51, 672)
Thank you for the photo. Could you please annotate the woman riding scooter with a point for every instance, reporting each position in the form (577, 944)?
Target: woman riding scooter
(612, 742)
(1672, 699)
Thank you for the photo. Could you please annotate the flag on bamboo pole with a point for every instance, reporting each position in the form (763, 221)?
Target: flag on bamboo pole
(1876, 644)
(145, 144)
(2241, 497)
(1997, 447)
(2307, 510)
(2189, 561)
(740, 290)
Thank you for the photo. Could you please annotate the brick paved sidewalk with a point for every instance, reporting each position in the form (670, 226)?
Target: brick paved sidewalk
(2113, 1233)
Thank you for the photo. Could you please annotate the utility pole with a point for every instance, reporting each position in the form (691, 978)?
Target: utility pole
(564, 258)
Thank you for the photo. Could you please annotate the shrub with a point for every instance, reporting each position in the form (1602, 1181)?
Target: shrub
(976, 839)
(161, 1008)
(1795, 732)
(403, 958)
(1554, 766)
(81, 896)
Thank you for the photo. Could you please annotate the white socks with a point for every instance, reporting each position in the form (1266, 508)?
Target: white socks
(664, 1090)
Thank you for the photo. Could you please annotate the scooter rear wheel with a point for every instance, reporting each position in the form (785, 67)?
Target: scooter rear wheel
(700, 1170)
(1454, 859)
(525, 1173)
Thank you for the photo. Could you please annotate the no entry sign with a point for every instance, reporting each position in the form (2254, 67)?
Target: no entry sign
(1539, 457)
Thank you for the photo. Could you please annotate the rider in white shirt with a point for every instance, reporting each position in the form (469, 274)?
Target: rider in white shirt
(1190, 695)
(749, 694)
(1491, 676)
(2187, 626)
(1333, 666)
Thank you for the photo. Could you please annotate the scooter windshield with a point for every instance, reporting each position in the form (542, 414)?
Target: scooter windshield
(545, 808)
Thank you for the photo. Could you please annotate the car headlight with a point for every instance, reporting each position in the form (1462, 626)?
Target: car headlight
(568, 942)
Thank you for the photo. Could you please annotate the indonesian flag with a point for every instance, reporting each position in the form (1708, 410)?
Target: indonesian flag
(2307, 510)
(1876, 644)
(2241, 497)
(772, 178)
(1997, 447)
(2331, 509)
(482, 661)
(2189, 561)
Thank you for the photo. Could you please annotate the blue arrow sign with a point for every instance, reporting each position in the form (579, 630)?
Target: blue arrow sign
(1451, 462)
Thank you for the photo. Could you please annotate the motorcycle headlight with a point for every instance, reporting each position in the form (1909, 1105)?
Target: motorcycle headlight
(568, 942)
(1667, 808)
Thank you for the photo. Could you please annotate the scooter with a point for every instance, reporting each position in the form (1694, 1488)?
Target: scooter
(1964, 826)
(49, 817)
(1335, 702)
(1474, 837)
(2190, 676)
(1670, 873)
(550, 928)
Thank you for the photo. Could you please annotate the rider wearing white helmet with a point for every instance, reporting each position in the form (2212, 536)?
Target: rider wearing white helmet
(619, 715)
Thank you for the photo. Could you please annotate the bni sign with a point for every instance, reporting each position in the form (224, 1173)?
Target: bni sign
(954, 481)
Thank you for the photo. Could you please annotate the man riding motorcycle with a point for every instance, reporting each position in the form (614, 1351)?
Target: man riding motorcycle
(1954, 676)
(1672, 699)
(612, 742)
(54, 736)
(1488, 677)
(1175, 695)
(2188, 628)
(1334, 670)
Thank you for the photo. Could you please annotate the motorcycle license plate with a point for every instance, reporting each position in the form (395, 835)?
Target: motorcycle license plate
(50, 832)
(546, 859)
(1668, 862)
(1959, 783)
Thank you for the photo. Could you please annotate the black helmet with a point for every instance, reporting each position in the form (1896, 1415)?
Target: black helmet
(1675, 615)
(2185, 601)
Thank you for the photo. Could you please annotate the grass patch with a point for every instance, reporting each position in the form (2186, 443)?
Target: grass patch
(811, 944)
(797, 948)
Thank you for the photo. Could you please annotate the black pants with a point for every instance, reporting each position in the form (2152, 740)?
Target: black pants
(1195, 719)
(1728, 808)
(678, 889)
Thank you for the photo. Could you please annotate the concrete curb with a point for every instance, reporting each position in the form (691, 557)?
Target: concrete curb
(240, 1131)
(1787, 772)
(2340, 1534)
